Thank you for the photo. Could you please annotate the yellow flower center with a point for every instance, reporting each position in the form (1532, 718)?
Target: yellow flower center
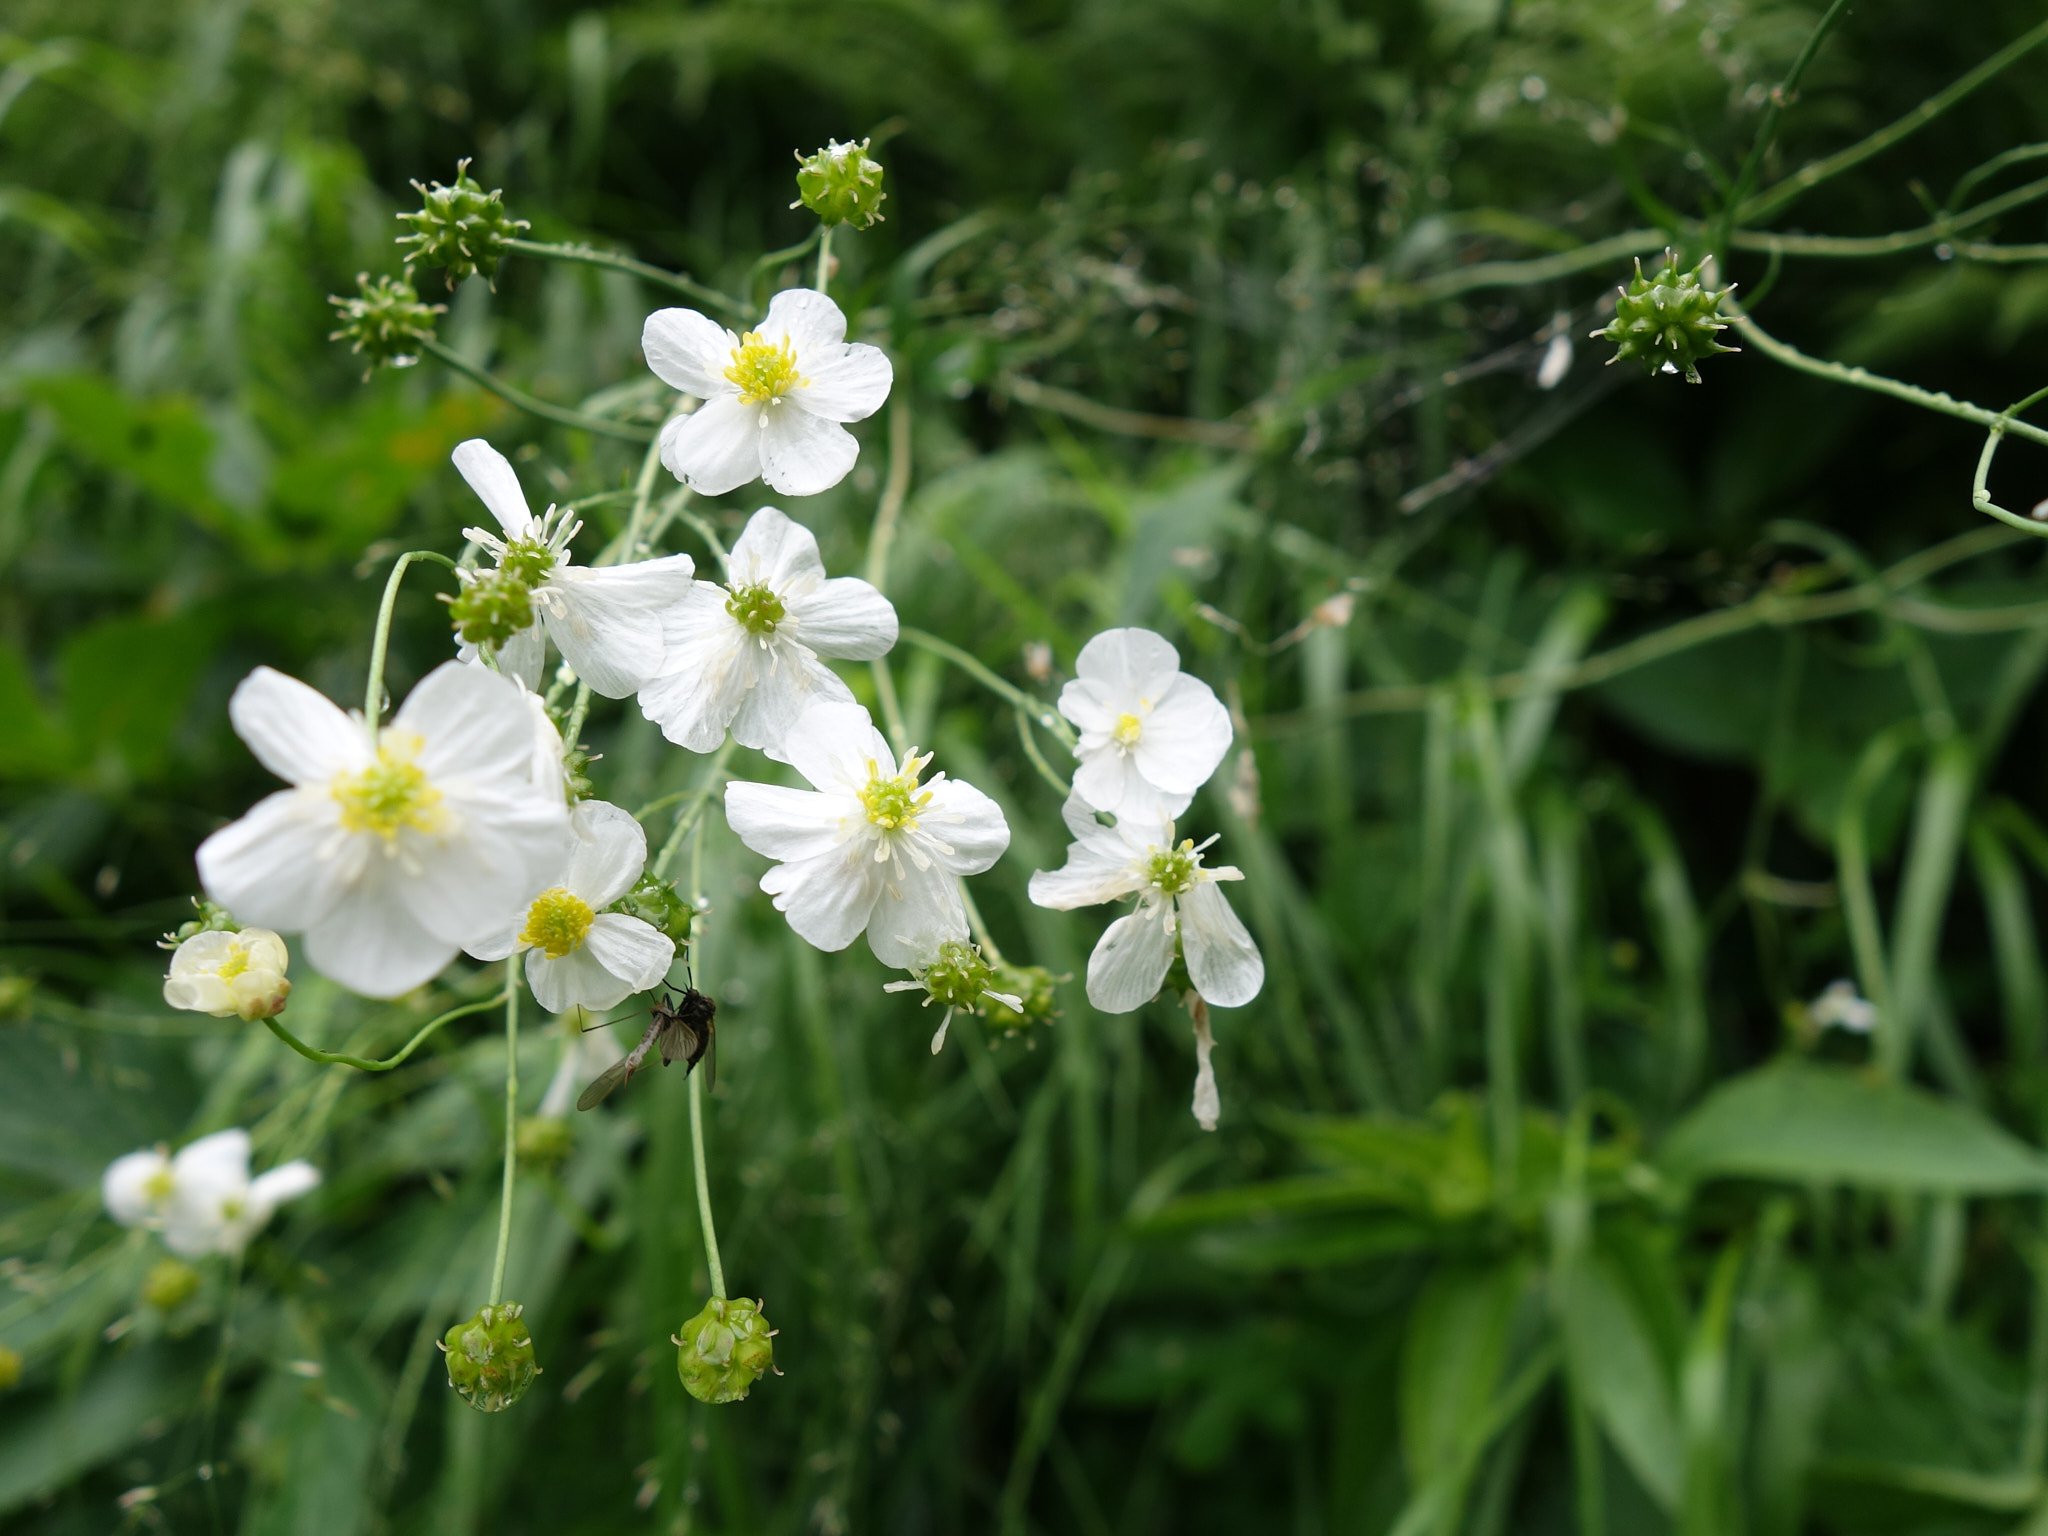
(1128, 730)
(557, 922)
(893, 803)
(236, 963)
(391, 794)
(764, 370)
(159, 1186)
(1173, 872)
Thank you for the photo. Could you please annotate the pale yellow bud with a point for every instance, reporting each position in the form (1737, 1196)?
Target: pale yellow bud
(230, 974)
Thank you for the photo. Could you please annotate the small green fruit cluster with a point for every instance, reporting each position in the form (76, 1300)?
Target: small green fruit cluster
(212, 918)
(841, 184)
(657, 903)
(169, 1284)
(462, 228)
(1033, 985)
(384, 323)
(543, 1140)
(490, 1358)
(724, 1350)
(491, 608)
(957, 975)
(1669, 319)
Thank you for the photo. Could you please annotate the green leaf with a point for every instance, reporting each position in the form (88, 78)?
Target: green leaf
(46, 1445)
(1452, 1361)
(1805, 1123)
(1613, 1358)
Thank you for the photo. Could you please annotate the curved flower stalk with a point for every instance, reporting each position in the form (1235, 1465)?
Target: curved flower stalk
(745, 655)
(606, 622)
(773, 398)
(1151, 735)
(202, 1200)
(388, 854)
(578, 954)
(1180, 909)
(868, 848)
(230, 974)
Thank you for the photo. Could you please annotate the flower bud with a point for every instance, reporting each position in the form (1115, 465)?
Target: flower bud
(385, 323)
(544, 1140)
(841, 185)
(169, 1285)
(228, 974)
(657, 903)
(1667, 320)
(10, 1367)
(463, 228)
(1032, 985)
(212, 916)
(490, 1358)
(724, 1350)
(491, 608)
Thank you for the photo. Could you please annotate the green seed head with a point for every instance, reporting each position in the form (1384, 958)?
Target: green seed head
(384, 323)
(757, 607)
(212, 918)
(169, 1285)
(527, 561)
(491, 608)
(841, 184)
(1173, 872)
(1669, 317)
(724, 1350)
(463, 228)
(660, 905)
(1033, 985)
(490, 1358)
(958, 975)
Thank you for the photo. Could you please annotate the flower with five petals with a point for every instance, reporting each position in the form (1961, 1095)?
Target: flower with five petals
(1151, 735)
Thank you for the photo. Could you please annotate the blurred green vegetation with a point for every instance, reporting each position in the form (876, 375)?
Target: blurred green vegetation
(1539, 1205)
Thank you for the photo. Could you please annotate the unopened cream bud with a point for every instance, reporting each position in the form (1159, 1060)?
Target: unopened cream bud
(230, 974)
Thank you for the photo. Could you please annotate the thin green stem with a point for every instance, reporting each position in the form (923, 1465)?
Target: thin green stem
(1978, 175)
(894, 493)
(1767, 129)
(1944, 228)
(572, 728)
(1031, 751)
(583, 255)
(1980, 493)
(511, 1127)
(1041, 714)
(824, 258)
(380, 643)
(363, 1064)
(707, 533)
(979, 925)
(766, 264)
(693, 809)
(711, 1258)
(1852, 867)
(893, 723)
(533, 405)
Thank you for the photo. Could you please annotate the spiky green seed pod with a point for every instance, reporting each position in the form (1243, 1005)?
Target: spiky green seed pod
(169, 1285)
(544, 1140)
(724, 1350)
(463, 228)
(491, 608)
(660, 905)
(490, 1358)
(1669, 319)
(841, 185)
(1034, 986)
(384, 323)
(212, 918)
(957, 975)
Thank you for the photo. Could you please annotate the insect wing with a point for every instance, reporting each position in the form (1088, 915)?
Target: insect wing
(604, 1083)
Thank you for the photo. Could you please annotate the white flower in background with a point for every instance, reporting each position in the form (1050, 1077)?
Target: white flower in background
(577, 954)
(202, 1200)
(606, 621)
(869, 848)
(227, 974)
(745, 655)
(1150, 734)
(1177, 898)
(1557, 356)
(388, 855)
(1841, 1006)
(773, 398)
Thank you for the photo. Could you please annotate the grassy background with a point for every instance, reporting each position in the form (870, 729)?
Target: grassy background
(1535, 1206)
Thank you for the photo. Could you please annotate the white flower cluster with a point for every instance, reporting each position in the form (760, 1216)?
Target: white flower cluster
(203, 1200)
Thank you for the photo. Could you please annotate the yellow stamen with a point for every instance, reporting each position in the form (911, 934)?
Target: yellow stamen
(1128, 729)
(391, 794)
(893, 803)
(557, 922)
(764, 370)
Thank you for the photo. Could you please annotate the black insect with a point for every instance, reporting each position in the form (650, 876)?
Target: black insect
(683, 1030)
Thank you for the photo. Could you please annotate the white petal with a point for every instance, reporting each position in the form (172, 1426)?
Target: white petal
(782, 692)
(490, 475)
(1129, 660)
(967, 821)
(832, 745)
(502, 940)
(708, 662)
(802, 454)
(472, 724)
(1099, 868)
(783, 824)
(774, 551)
(918, 908)
(688, 352)
(510, 847)
(1184, 737)
(827, 899)
(125, 1186)
(1130, 961)
(287, 1182)
(638, 953)
(715, 449)
(216, 1162)
(194, 1232)
(371, 944)
(576, 980)
(846, 618)
(285, 864)
(523, 656)
(807, 317)
(296, 732)
(1207, 1103)
(1108, 779)
(614, 647)
(843, 383)
(1223, 962)
(609, 852)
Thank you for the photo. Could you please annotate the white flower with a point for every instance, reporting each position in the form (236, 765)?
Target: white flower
(1176, 895)
(388, 855)
(1150, 734)
(230, 973)
(1840, 1005)
(745, 655)
(577, 954)
(202, 1200)
(773, 398)
(869, 848)
(606, 622)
